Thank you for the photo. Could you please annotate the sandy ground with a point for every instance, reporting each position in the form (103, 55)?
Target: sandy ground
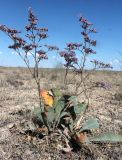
(18, 95)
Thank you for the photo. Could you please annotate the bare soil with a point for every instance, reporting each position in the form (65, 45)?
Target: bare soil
(18, 95)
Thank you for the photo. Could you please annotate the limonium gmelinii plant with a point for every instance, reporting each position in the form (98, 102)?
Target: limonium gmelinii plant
(30, 45)
(64, 115)
(76, 55)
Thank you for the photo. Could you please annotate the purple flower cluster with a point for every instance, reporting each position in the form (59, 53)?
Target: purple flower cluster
(34, 35)
(15, 46)
(88, 40)
(4, 28)
(93, 30)
(86, 26)
(33, 30)
(28, 27)
(32, 18)
(42, 55)
(42, 35)
(85, 23)
(103, 85)
(85, 48)
(42, 29)
(30, 36)
(13, 34)
(93, 42)
(89, 51)
(51, 48)
(28, 47)
(73, 46)
(70, 58)
(100, 64)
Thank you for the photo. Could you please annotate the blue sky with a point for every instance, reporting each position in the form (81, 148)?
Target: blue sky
(61, 18)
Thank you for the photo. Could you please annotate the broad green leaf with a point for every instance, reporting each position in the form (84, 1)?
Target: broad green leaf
(55, 112)
(72, 112)
(45, 120)
(36, 110)
(92, 123)
(36, 115)
(80, 108)
(58, 108)
(39, 117)
(57, 92)
(58, 101)
(108, 137)
(73, 100)
(63, 114)
(51, 115)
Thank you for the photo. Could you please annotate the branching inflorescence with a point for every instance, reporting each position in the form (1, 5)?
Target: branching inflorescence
(75, 55)
(30, 45)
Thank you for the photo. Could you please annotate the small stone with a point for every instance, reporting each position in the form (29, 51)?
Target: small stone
(11, 125)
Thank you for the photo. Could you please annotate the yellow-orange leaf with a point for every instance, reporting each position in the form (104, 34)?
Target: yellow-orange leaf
(48, 99)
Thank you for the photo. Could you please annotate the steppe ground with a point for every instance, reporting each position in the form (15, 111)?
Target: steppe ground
(18, 95)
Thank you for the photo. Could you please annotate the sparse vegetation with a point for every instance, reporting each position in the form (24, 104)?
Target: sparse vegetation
(59, 116)
(14, 124)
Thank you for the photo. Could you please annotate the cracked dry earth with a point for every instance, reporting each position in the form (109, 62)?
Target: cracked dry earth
(18, 95)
